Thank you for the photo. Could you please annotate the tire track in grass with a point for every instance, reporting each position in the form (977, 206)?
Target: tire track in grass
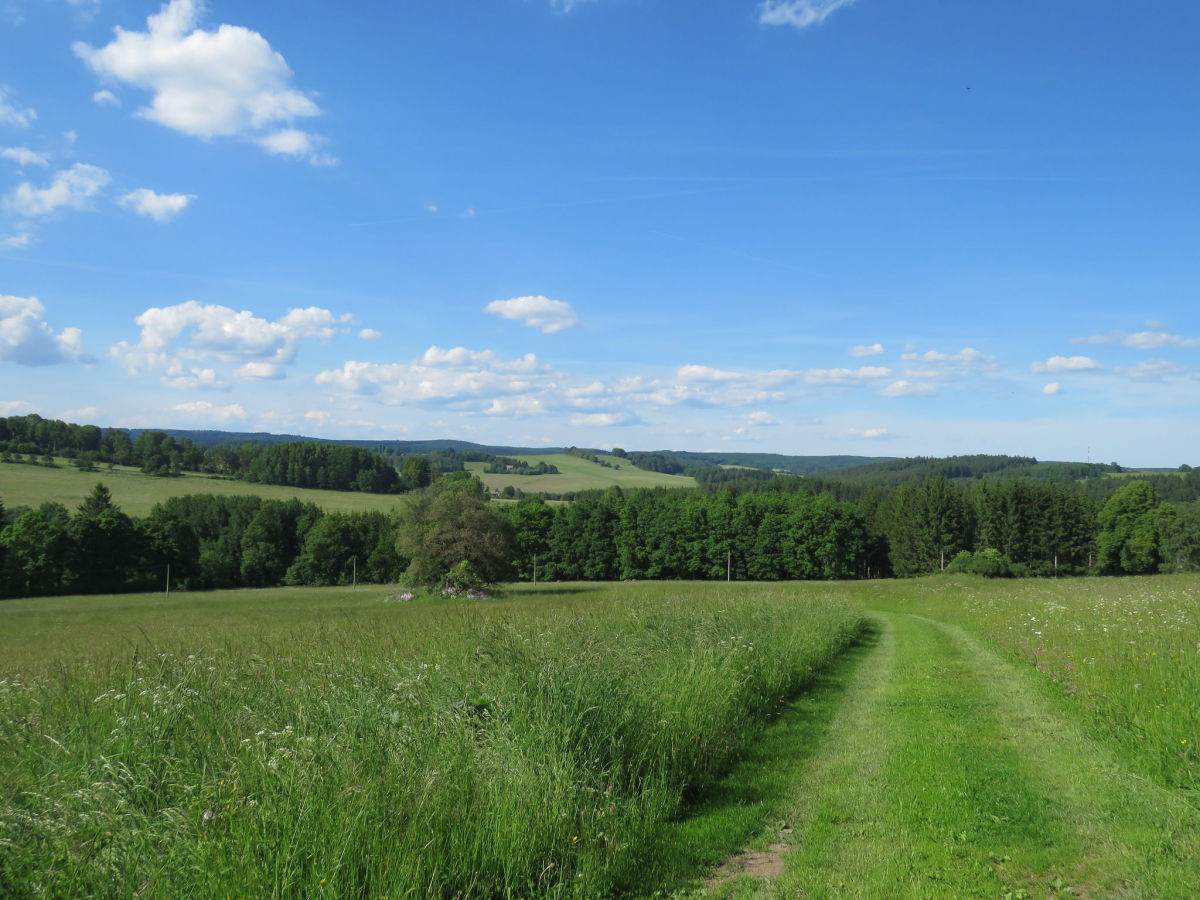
(945, 776)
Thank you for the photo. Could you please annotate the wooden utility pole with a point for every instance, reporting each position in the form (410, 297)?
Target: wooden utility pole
(729, 565)
(168, 594)
(535, 568)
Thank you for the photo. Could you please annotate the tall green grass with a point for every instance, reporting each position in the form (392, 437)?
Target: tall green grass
(531, 747)
(1122, 653)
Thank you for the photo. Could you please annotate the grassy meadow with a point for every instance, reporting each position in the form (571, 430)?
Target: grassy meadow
(333, 743)
(1121, 654)
(576, 474)
(136, 493)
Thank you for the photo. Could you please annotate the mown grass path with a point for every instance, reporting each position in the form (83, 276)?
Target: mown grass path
(946, 775)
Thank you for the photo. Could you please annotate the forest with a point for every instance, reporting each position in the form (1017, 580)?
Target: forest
(998, 529)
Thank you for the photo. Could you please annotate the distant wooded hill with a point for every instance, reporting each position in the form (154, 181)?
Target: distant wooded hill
(778, 462)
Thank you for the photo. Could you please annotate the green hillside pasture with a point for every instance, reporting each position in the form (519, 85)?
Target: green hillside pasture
(324, 743)
(136, 493)
(576, 474)
(1120, 653)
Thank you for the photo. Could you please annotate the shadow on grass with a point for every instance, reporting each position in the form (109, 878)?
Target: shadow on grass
(743, 805)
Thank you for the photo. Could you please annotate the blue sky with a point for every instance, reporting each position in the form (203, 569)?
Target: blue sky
(882, 227)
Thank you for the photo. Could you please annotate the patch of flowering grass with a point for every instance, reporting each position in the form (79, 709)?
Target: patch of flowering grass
(1123, 652)
(484, 749)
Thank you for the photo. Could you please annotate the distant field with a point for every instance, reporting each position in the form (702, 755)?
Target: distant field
(577, 474)
(136, 494)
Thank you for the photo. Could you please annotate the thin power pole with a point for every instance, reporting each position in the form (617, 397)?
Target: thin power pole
(729, 565)
(168, 593)
(535, 568)
(354, 571)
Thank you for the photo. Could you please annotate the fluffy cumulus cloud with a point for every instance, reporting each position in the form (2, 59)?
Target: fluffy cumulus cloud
(24, 157)
(537, 312)
(866, 350)
(868, 434)
(457, 377)
(72, 188)
(205, 411)
(799, 13)
(695, 385)
(25, 337)
(106, 98)
(1051, 388)
(908, 389)
(13, 114)
(370, 334)
(177, 341)
(162, 208)
(1065, 364)
(15, 407)
(228, 82)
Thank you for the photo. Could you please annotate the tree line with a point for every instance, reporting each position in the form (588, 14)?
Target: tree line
(449, 530)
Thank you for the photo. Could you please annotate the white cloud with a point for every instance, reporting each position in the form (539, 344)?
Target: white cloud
(71, 188)
(23, 156)
(84, 414)
(537, 312)
(568, 5)
(182, 378)
(761, 420)
(228, 82)
(1065, 364)
(105, 98)
(1153, 340)
(967, 356)
(17, 241)
(868, 434)
(300, 144)
(162, 208)
(468, 213)
(866, 350)
(603, 420)
(175, 337)
(908, 389)
(317, 415)
(431, 207)
(456, 376)
(846, 376)
(370, 334)
(205, 411)
(798, 13)
(1157, 370)
(260, 371)
(10, 114)
(1111, 338)
(25, 338)
(15, 407)
(1052, 388)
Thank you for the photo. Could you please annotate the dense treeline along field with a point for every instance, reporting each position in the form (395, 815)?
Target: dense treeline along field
(763, 532)
(315, 744)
